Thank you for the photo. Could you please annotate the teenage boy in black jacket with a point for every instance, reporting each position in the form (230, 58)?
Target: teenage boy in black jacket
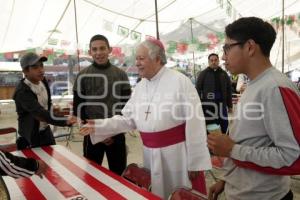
(33, 103)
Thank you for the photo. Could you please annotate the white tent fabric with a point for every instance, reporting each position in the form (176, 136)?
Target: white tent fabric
(31, 23)
(51, 23)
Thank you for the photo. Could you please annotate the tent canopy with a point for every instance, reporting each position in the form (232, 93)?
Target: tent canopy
(51, 23)
(38, 23)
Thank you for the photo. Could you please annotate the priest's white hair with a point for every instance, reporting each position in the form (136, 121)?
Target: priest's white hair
(155, 50)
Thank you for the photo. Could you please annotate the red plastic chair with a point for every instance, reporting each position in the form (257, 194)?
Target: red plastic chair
(6, 145)
(139, 176)
(186, 194)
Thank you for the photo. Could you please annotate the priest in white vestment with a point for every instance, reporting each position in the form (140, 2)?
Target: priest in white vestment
(166, 109)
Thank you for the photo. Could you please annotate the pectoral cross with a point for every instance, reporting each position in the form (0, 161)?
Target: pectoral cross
(147, 112)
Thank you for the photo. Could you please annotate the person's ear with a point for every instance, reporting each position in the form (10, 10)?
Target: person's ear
(252, 47)
(158, 59)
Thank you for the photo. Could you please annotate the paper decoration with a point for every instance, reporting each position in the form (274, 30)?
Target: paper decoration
(229, 9)
(192, 47)
(9, 55)
(116, 51)
(291, 19)
(65, 43)
(107, 25)
(182, 48)
(136, 36)
(52, 41)
(221, 3)
(202, 46)
(123, 31)
(149, 37)
(213, 38)
(47, 52)
(171, 47)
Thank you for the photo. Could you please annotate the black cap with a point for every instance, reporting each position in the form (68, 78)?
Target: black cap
(31, 59)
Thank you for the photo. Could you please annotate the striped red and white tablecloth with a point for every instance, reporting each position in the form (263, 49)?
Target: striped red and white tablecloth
(70, 176)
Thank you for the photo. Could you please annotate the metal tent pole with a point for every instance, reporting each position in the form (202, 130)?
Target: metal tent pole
(282, 26)
(156, 20)
(192, 36)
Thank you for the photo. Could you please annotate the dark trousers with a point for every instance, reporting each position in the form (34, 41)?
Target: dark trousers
(41, 138)
(288, 196)
(115, 153)
(216, 113)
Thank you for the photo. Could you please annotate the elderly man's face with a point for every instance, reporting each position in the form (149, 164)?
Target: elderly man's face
(146, 66)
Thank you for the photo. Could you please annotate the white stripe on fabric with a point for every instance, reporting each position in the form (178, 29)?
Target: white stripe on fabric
(11, 183)
(68, 176)
(107, 180)
(46, 187)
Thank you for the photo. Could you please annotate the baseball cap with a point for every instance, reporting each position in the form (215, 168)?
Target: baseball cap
(31, 59)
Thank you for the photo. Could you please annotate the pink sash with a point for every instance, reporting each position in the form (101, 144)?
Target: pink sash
(164, 138)
(169, 137)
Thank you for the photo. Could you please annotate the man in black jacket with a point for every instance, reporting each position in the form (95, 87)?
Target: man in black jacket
(101, 91)
(33, 104)
(214, 88)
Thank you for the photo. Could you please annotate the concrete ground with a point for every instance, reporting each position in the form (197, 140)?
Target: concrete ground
(8, 118)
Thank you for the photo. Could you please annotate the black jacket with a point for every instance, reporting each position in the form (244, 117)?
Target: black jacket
(116, 94)
(225, 85)
(30, 112)
(16, 166)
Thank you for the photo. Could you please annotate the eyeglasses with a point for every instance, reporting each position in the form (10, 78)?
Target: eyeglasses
(227, 47)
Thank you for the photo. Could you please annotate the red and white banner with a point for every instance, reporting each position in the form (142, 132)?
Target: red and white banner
(70, 176)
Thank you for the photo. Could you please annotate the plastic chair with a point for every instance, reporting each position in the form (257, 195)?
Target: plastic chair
(186, 194)
(139, 176)
(7, 144)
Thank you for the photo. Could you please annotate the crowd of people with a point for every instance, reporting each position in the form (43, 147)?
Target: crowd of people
(261, 146)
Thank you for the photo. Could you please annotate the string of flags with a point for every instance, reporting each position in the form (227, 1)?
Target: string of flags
(291, 21)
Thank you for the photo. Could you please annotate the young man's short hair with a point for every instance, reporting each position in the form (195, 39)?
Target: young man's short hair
(253, 28)
(99, 37)
(213, 54)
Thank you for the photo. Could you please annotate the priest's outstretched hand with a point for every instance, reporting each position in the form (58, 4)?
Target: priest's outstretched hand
(87, 128)
(220, 144)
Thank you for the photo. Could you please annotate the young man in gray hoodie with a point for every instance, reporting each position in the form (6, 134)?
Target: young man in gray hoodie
(262, 148)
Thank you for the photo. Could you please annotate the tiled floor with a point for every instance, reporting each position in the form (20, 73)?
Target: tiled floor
(8, 118)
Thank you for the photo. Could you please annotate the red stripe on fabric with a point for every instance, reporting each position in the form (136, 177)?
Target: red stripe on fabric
(103, 189)
(291, 101)
(164, 138)
(29, 189)
(292, 104)
(133, 187)
(62, 186)
(199, 183)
